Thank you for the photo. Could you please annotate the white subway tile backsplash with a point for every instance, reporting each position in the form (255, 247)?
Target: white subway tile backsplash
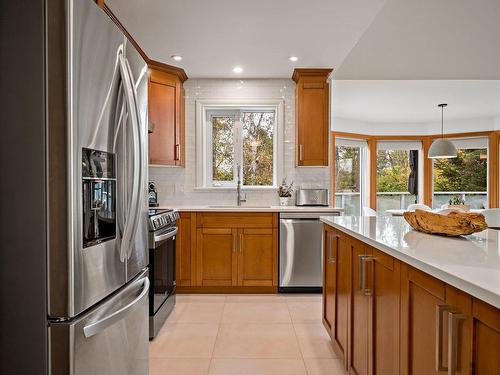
(177, 186)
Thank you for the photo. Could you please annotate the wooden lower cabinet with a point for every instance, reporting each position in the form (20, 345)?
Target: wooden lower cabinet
(336, 289)
(257, 261)
(485, 337)
(185, 247)
(400, 320)
(217, 257)
(220, 253)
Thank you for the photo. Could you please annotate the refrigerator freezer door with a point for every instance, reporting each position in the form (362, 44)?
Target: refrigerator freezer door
(111, 339)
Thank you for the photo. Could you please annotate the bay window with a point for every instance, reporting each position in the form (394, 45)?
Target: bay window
(464, 177)
(398, 171)
(350, 161)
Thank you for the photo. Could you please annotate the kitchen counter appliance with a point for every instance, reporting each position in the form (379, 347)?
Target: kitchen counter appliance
(301, 245)
(162, 233)
(97, 274)
(312, 197)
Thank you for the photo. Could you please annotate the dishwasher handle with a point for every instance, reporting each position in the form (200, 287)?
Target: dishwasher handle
(298, 221)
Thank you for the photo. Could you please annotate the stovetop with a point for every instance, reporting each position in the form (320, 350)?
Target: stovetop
(161, 218)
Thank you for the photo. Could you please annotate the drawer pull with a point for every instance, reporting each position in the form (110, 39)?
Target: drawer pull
(363, 260)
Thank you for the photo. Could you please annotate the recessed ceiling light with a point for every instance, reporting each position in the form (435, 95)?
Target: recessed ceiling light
(238, 69)
(177, 57)
(293, 58)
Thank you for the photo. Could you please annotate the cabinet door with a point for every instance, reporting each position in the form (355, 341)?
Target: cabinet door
(383, 323)
(312, 122)
(330, 240)
(217, 257)
(342, 286)
(360, 307)
(257, 263)
(486, 339)
(185, 250)
(421, 297)
(166, 113)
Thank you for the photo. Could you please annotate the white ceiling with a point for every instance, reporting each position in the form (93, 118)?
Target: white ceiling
(213, 36)
(414, 101)
(428, 39)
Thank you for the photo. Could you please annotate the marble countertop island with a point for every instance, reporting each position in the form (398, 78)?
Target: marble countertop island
(470, 263)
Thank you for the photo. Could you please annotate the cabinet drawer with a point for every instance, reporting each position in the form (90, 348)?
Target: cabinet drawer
(236, 220)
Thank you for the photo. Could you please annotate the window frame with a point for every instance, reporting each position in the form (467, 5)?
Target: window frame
(206, 107)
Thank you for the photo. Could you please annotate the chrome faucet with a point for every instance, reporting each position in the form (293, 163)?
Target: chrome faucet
(240, 197)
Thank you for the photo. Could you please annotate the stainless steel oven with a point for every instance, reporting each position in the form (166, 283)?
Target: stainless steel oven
(163, 231)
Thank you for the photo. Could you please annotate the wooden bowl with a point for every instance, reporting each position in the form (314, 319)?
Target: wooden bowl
(453, 224)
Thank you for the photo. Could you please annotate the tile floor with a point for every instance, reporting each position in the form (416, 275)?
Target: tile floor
(244, 335)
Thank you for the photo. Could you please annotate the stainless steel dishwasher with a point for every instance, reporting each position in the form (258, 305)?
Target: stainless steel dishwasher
(300, 256)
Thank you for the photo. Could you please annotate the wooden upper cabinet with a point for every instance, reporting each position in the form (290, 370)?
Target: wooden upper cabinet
(312, 103)
(166, 117)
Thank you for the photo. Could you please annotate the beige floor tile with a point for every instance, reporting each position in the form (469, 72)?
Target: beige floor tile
(184, 341)
(257, 367)
(256, 341)
(313, 340)
(256, 298)
(312, 297)
(201, 298)
(179, 366)
(197, 312)
(305, 312)
(324, 367)
(261, 312)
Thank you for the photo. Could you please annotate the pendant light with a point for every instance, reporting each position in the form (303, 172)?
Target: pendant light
(442, 148)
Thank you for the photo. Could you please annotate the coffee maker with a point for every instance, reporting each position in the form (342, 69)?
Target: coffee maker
(152, 195)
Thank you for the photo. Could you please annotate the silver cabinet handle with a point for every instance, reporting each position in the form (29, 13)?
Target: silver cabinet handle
(363, 260)
(177, 152)
(453, 323)
(301, 152)
(440, 309)
(94, 328)
(331, 256)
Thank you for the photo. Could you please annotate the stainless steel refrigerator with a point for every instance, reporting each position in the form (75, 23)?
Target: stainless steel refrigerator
(97, 251)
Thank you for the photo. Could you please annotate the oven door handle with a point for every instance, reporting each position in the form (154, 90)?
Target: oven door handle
(164, 237)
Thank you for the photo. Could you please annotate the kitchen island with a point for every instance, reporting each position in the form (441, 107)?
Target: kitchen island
(397, 301)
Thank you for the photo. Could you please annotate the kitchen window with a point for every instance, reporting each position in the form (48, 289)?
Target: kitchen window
(398, 169)
(464, 177)
(350, 186)
(240, 138)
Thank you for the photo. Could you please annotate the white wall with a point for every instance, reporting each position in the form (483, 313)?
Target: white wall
(177, 186)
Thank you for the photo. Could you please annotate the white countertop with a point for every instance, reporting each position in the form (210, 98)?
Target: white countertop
(243, 208)
(470, 263)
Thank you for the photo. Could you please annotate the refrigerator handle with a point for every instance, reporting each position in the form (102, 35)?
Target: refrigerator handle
(139, 153)
(96, 327)
(131, 224)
